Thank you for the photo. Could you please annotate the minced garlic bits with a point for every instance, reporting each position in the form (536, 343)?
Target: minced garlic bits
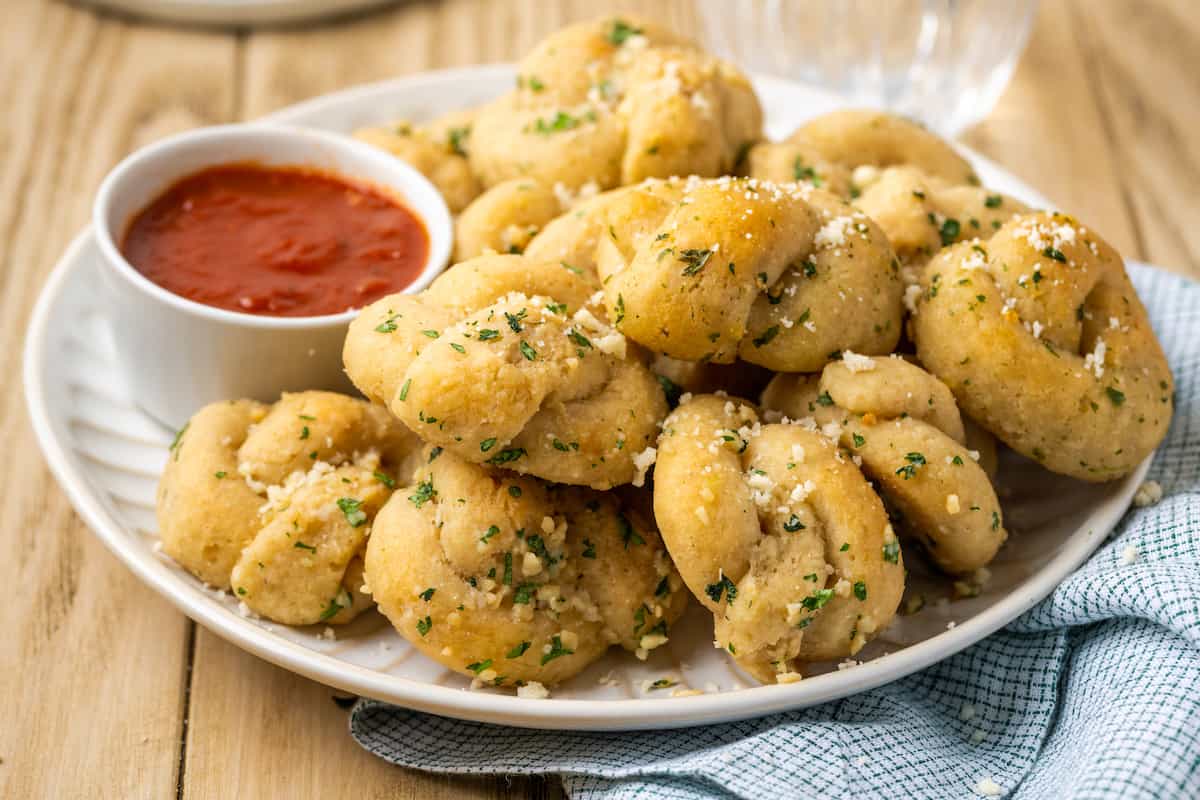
(778, 275)
(509, 580)
(611, 102)
(776, 533)
(276, 502)
(1043, 340)
(510, 362)
(902, 425)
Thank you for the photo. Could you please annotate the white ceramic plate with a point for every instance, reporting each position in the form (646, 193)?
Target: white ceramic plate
(107, 455)
(238, 12)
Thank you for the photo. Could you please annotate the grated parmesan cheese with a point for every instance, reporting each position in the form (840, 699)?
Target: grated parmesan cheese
(1148, 494)
(533, 691)
(642, 463)
(857, 363)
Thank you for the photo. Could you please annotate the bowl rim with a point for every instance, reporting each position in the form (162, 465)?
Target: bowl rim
(388, 174)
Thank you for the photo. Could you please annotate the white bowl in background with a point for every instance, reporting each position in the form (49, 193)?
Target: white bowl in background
(175, 354)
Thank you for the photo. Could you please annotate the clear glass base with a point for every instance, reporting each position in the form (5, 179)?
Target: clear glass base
(943, 63)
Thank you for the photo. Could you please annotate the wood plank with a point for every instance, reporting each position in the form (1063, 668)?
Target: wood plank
(258, 731)
(1137, 56)
(92, 671)
(1048, 130)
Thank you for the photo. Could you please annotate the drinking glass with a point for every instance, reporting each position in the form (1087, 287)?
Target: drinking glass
(942, 62)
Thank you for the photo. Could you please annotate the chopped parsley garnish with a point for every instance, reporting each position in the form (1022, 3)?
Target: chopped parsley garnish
(479, 666)
(620, 308)
(220, 474)
(578, 339)
(722, 587)
(388, 325)
(304, 432)
(489, 533)
(995, 520)
(524, 593)
(458, 347)
(694, 259)
(343, 600)
(663, 588)
(845, 546)
(621, 31)
(556, 650)
(487, 444)
(537, 545)
(993, 201)
(303, 546)
(1056, 254)
(434, 453)
(1115, 395)
(423, 494)
(454, 138)
(672, 390)
(385, 479)
(431, 334)
(519, 650)
(404, 390)
(589, 549)
(793, 524)
(527, 351)
(891, 551)
(178, 440)
(805, 173)
(427, 595)
(860, 590)
(569, 268)
(507, 455)
(810, 268)
(909, 470)
(487, 334)
(562, 121)
(767, 335)
(514, 491)
(957, 461)
(628, 534)
(949, 231)
(514, 320)
(823, 399)
(507, 581)
(859, 441)
(817, 599)
(662, 683)
(352, 508)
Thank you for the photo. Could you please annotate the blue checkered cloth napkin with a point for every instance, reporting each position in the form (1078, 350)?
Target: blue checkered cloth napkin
(1095, 692)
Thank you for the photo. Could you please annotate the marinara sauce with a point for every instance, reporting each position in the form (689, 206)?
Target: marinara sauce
(279, 241)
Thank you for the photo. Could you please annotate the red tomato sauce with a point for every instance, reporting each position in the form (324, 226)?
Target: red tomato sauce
(277, 241)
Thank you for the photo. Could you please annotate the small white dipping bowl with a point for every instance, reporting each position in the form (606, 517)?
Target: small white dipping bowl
(177, 354)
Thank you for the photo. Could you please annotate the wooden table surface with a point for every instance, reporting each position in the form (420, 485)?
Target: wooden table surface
(105, 689)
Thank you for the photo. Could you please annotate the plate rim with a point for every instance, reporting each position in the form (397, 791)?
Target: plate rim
(558, 713)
